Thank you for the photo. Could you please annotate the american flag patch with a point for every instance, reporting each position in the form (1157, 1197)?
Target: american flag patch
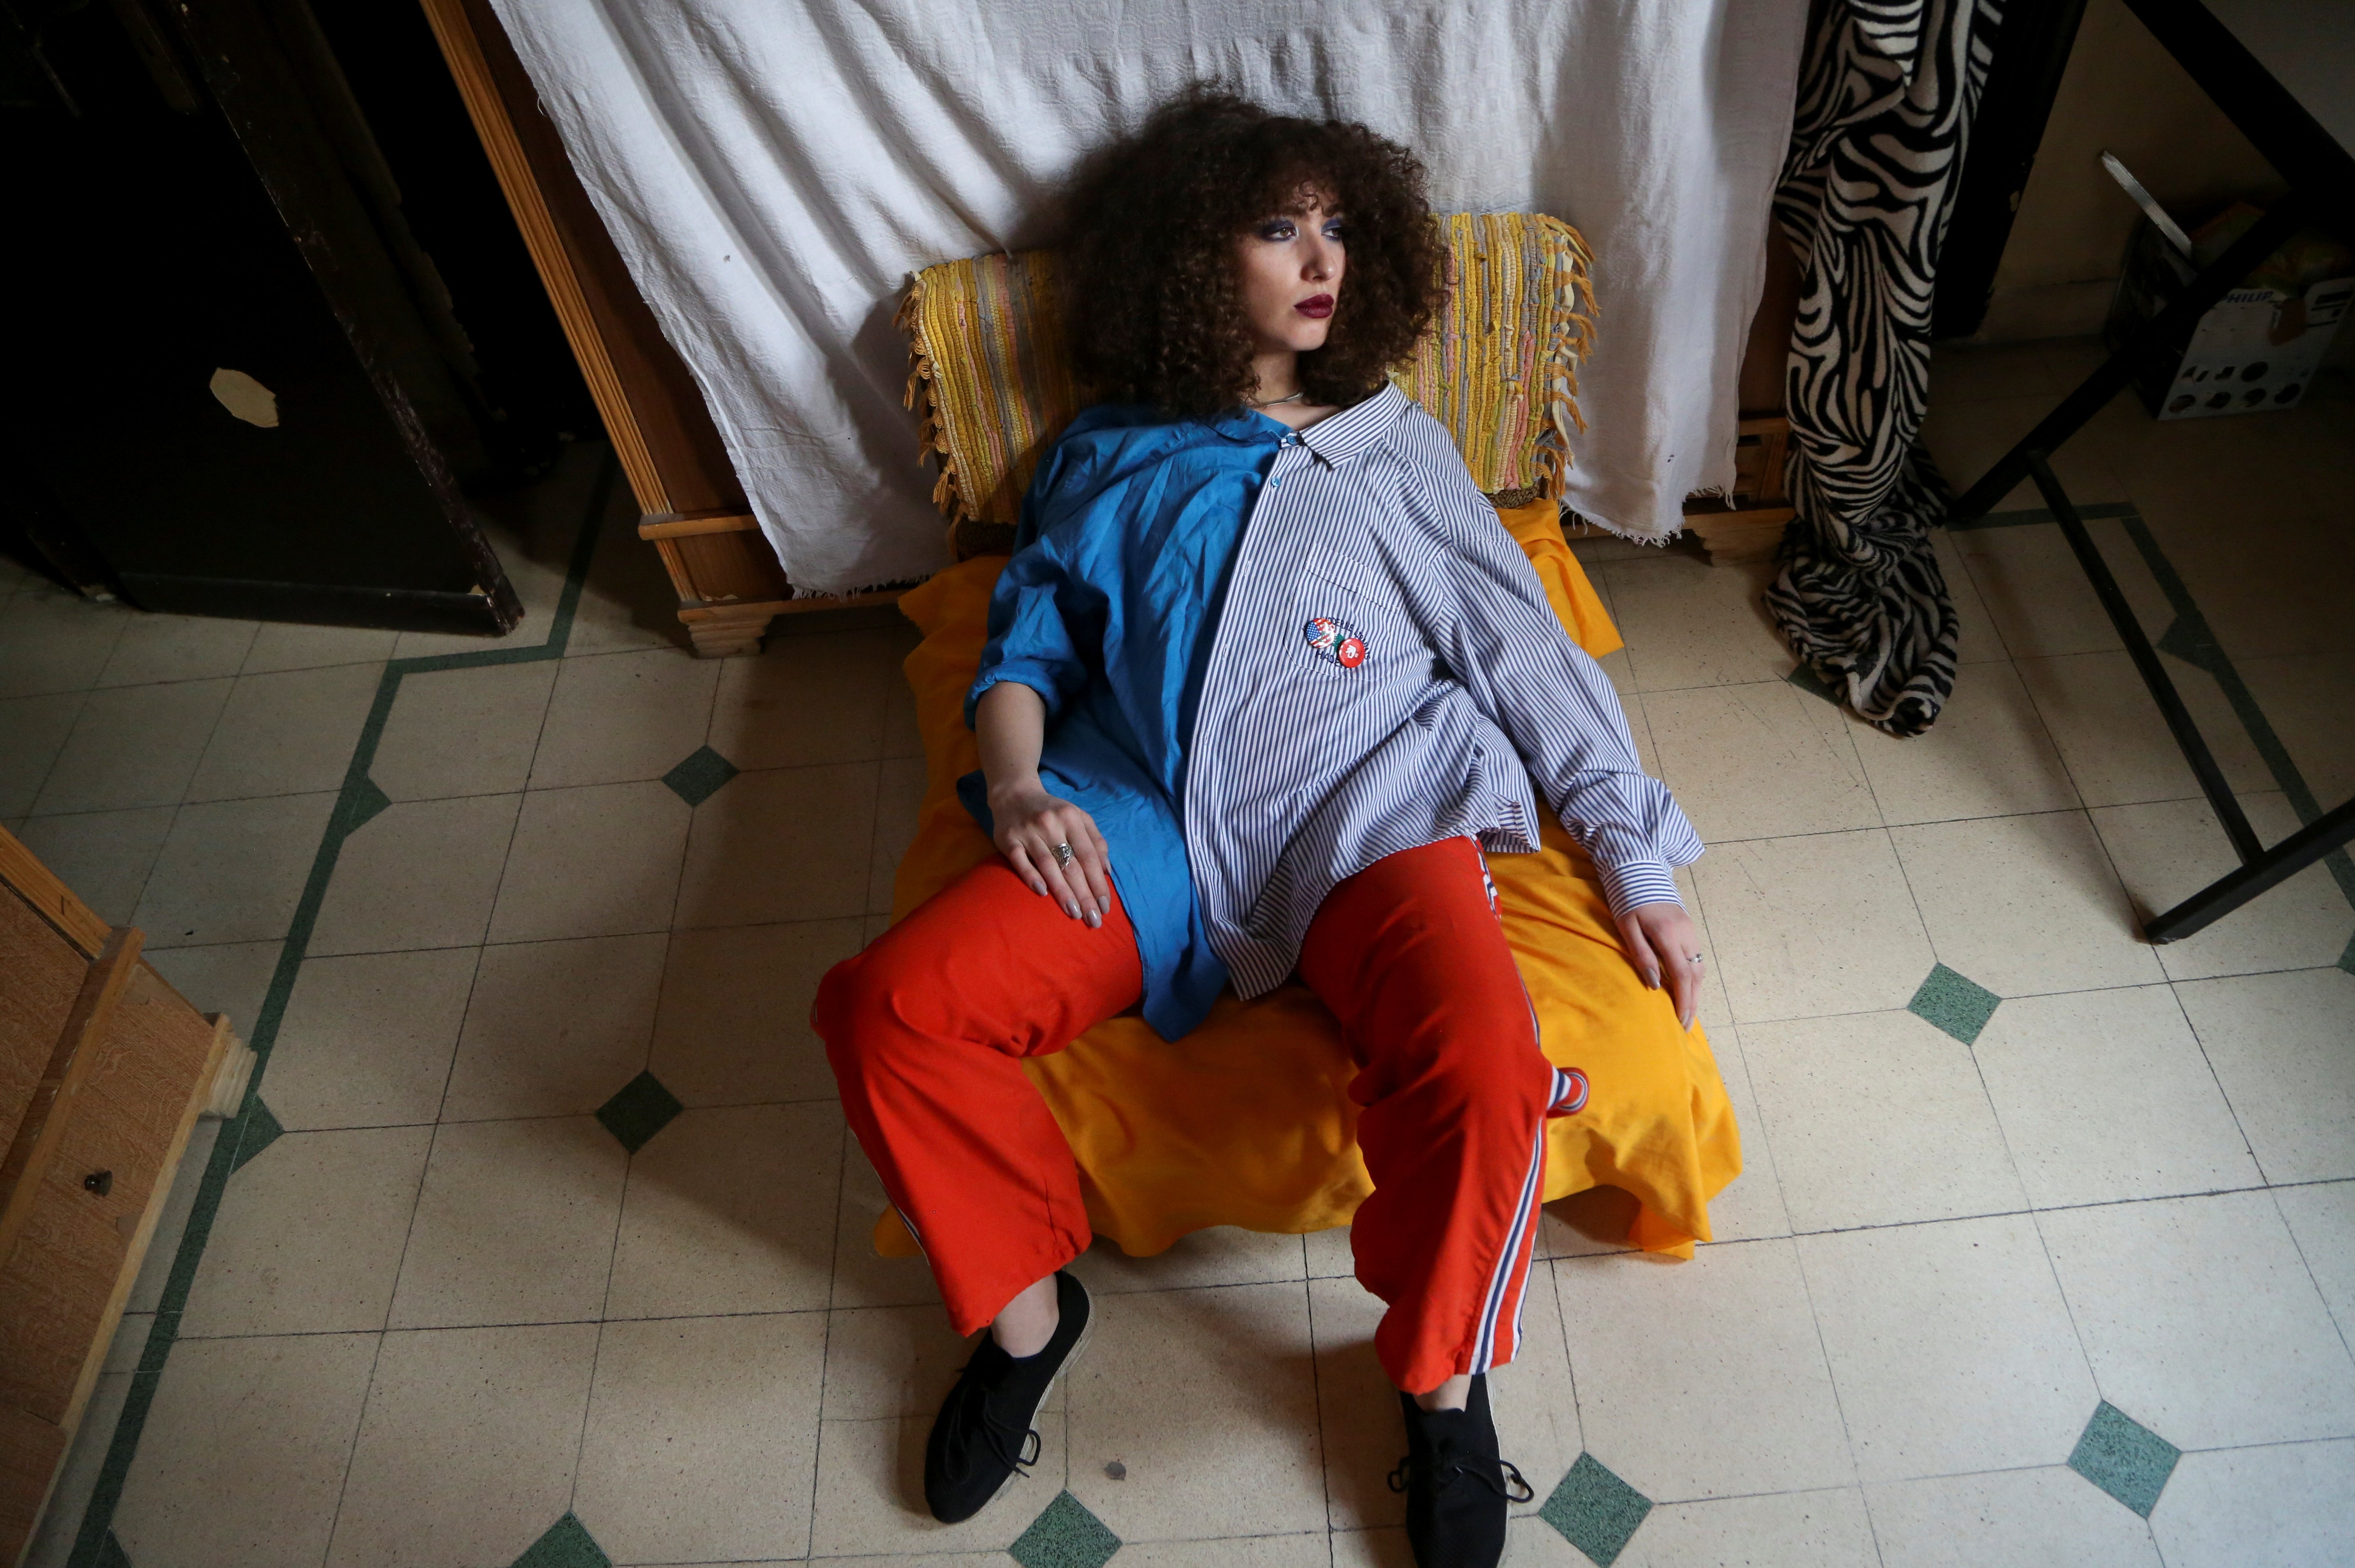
(1333, 640)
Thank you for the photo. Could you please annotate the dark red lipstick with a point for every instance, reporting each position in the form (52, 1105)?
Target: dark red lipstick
(1316, 307)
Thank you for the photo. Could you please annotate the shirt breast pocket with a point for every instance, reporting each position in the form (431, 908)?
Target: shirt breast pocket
(1350, 576)
(1351, 615)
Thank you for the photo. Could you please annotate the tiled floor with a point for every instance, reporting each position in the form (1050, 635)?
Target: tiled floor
(544, 1243)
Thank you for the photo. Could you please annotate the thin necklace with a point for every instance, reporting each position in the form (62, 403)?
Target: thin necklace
(1289, 398)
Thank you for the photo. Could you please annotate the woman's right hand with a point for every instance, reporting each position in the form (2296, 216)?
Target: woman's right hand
(1030, 823)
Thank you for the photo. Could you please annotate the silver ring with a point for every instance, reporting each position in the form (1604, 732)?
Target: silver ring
(1692, 957)
(1063, 854)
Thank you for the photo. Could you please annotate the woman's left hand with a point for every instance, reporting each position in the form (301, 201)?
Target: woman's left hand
(1663, 947)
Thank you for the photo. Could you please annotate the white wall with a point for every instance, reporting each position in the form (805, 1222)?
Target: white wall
(2124, 94)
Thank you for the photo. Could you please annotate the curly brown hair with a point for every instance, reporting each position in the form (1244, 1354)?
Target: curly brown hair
(1157, 310)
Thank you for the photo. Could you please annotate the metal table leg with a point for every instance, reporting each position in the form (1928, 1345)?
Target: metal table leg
(2228, 893)
(2261, 868)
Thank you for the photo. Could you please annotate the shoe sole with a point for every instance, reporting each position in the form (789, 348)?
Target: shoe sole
(1087, 1331)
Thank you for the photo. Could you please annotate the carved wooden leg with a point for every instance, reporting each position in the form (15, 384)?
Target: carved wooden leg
(723, 631)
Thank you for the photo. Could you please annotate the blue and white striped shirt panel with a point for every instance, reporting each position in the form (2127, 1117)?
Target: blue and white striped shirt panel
(1303, 771)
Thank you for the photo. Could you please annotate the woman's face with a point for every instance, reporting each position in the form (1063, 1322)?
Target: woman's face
(1291, 265)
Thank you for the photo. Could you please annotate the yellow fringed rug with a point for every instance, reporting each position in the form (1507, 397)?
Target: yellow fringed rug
(990, 375)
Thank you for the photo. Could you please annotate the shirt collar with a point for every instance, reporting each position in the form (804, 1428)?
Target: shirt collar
(1335, 439)
(1242, 424)
(1340, 437)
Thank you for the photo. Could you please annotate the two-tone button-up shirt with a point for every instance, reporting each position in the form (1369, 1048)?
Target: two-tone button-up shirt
(1272, 659)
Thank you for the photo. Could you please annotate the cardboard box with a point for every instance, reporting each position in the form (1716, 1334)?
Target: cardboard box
(2257, 348)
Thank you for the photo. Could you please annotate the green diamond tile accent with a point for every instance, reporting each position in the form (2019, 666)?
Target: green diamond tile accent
(110, 1554)
(1594, 1511)
(364, 806)
(2124, 1458)
(2189, 639)
(1065, 1536)
(1953, 1003)
(258, 1130)
(2347, 959)
(699, 778)
(1806, 678)
(567, 1544)
(642, 1108)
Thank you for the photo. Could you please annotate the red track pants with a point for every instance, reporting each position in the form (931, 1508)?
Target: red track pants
(927, 1027)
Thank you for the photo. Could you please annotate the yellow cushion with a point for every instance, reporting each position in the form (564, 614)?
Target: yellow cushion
(1246, 1121)
(991, 375)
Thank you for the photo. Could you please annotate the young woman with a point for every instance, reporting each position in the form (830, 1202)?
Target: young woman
(1264, 678)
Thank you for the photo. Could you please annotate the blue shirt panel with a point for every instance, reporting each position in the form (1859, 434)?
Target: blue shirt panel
(1128, 537)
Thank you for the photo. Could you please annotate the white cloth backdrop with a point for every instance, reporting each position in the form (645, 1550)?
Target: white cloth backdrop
(773, 169)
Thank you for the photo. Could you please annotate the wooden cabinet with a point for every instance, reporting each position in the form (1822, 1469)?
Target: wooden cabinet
(103, 1070)
(254, 397)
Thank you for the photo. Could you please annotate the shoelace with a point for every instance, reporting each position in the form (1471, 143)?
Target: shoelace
(1516, 1489)
(968, 1406)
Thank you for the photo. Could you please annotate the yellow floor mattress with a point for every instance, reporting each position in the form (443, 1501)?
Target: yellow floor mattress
(1246, 1121)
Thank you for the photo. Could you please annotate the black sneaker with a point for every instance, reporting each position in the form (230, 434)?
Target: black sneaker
(1457, 1487)
(983, 1433)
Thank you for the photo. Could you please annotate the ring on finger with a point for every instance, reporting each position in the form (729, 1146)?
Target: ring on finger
(1063, 854)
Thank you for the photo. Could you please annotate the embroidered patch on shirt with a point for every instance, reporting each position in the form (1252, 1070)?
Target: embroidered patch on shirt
(1336, 641)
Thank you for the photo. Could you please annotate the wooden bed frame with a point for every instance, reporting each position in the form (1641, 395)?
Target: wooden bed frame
(691, 503)
(692, 506)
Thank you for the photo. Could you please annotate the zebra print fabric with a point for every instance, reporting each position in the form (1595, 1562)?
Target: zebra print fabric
(1884, 111)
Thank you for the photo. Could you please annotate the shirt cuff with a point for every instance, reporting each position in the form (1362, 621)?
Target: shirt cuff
(1021, 672)
(1633, 882)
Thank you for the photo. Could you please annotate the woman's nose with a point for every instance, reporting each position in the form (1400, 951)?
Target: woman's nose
(1317, 264)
